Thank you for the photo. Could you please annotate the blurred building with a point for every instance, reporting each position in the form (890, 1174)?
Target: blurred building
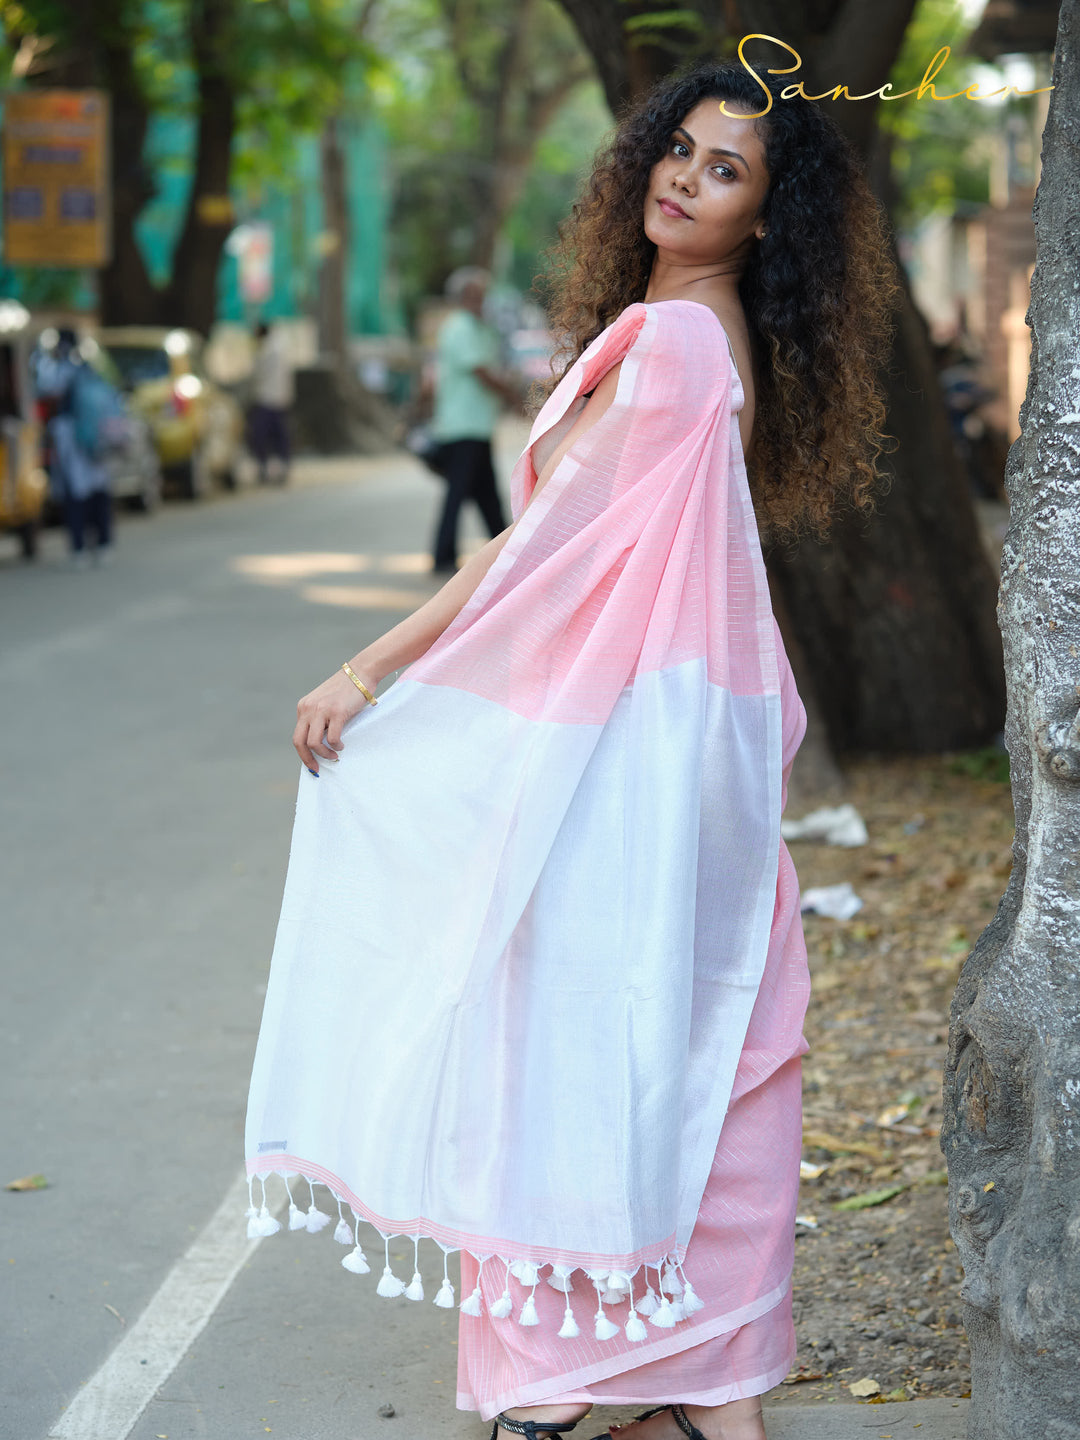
(971, 270)
(291, 209)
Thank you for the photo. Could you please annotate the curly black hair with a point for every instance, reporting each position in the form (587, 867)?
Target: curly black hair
(817, 289)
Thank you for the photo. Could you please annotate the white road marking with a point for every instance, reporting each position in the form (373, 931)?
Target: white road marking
(110, 1403)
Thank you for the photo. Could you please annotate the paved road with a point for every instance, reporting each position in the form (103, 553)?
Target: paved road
(146, 785)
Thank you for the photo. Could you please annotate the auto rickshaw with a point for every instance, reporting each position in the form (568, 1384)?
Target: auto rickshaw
(24, 486)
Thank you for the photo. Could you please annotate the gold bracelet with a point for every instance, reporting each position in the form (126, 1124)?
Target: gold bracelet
(368, 696)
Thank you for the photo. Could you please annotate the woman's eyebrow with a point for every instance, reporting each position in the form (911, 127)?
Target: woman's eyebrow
(733, 153)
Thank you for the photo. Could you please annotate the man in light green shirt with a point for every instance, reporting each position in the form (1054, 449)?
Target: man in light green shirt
(468, 397)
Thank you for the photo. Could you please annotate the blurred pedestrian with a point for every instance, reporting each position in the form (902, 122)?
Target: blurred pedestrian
(273, 390)
(468, 397)
(82, 403)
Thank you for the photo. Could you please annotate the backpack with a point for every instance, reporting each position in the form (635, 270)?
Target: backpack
(100, 419)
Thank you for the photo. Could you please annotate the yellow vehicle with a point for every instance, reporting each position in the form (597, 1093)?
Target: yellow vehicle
(24, 485)
(197, 427)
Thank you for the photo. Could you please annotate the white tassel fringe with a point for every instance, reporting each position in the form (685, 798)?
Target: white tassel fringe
(676, 1301)
(356, 1261)
(671, 1282)
(691, 1300)
(648, 1304)
(266, 1222)
(389, 1285)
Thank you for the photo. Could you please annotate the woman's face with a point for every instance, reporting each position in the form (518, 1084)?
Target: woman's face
(706, 193)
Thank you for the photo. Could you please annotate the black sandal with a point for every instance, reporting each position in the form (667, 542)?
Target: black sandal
(678, 1415)
(535, 1429)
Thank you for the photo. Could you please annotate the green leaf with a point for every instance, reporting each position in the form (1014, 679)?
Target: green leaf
(665, 20)
(871, 1197)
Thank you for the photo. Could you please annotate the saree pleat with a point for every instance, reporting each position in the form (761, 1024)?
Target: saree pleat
(740, 1254)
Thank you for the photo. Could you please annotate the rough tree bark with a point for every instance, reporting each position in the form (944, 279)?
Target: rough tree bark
(1012, 1088)
(895, 619)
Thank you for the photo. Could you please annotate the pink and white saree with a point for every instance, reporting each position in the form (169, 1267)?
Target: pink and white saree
(529, 912)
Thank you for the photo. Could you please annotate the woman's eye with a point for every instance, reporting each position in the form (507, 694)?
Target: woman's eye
(727, 172)
(678, 145)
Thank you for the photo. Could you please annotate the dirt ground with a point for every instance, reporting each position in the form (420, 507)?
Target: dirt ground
(876, 1287)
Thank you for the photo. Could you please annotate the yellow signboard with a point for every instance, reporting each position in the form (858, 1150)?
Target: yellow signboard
(56, 177)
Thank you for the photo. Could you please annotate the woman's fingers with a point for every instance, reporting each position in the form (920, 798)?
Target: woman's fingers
(319, 735)
(316, 740)
(300, 745)
(334, 727)
(320, 719)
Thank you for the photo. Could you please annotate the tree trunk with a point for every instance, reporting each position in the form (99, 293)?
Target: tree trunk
(191, 296)
(1012, 1086)
(127, 293)
(895, 618)
(514, 150)
(625, 66)
(333, 320)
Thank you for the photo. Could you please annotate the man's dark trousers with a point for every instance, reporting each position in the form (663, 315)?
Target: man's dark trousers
(466, 466)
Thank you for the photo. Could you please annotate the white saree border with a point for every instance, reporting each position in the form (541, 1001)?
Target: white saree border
(506, 1016)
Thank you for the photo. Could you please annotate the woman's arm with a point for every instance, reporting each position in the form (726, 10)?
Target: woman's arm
(322, 714)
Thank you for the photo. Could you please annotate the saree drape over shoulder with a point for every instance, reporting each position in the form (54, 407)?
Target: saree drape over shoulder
(528, 913)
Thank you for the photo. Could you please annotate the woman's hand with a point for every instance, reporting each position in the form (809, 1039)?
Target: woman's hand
(321, 715)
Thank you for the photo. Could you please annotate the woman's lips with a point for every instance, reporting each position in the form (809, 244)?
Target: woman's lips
(669, 207)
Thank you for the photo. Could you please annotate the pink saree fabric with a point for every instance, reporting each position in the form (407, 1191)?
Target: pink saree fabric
(742, 1249)
(529, 913)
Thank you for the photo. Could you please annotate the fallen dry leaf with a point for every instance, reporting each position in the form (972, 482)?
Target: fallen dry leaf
(811, 1172)
(892, 1115)
(823, 1141)
(27, 1182)
(863, 1388)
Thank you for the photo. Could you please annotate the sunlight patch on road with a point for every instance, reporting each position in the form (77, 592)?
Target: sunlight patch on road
(416, 564)
(318, 567)
(365, 597)
(277, 569)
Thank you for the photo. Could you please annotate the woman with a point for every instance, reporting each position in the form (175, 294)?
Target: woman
(539, 981)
